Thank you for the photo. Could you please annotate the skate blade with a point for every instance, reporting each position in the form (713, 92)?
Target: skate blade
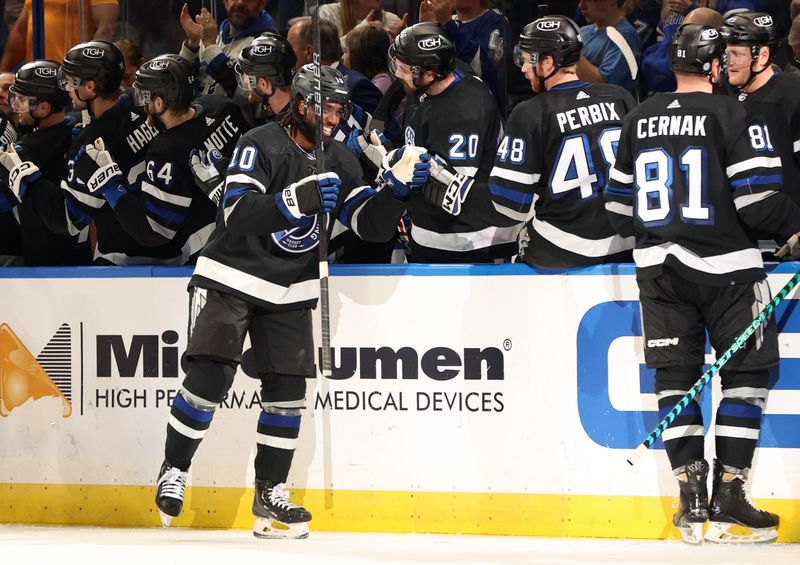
(723, 532)
(166, 519)
(692, 533)
(266, 528)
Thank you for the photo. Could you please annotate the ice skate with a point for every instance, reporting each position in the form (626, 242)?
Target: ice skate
(276, 517)
(733, 517)
(693, 511)
(170, 488)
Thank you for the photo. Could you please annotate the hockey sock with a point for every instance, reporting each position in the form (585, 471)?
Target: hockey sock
(278, 430)
(206, 384)
(684, 439)
(189, 419)
(739, 417)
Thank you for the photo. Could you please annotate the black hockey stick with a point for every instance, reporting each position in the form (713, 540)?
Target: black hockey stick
(738, 343)
(324, 298)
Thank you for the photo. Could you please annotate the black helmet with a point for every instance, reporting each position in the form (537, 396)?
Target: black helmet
(557, 36)
(694, 47)
(269, 56)
(169, 76)
(332, 85)
(101, 61)
(755, 29)
(38, 81)
(424, 46)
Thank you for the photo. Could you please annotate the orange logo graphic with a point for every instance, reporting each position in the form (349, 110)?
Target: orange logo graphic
(22, 377)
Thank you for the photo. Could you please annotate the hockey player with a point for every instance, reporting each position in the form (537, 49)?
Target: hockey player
(555, 156)
(457, 121)
(258, 274)
(752, 42)
(91, 74)
(691, 172)
(36, 98)
(164, 210)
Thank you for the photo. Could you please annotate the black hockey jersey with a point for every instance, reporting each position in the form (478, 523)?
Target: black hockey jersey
(126, 134)
(691, 172)
(165, 210)
(777, 104)
(552, 165)
(46, 148)
(462, 125)
(254, 252)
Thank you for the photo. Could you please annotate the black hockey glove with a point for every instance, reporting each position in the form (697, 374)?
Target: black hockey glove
(791, 249)
(16, 173)
(309, 196)
(206, 167)
(446, 189)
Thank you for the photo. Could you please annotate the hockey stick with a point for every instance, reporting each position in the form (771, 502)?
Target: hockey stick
(738, 343)
(324, 299)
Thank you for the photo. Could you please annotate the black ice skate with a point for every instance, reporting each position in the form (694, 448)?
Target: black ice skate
(693, 512)
(276, 517)
(170, 489)
(731, 508)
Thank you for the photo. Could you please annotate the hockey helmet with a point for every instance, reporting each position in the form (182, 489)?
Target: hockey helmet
(694, 47)
(333, 88)
(36, 82)
(424, 46)
(750, 28)
(557, 36)
(269, 56)
(101, 61)
(168, 76)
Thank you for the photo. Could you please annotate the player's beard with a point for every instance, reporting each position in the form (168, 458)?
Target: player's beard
(154, 120)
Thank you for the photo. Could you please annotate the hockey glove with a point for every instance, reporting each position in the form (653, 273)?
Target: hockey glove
(791, 249)
(405, 168)
(96, 164)
(206, 167)
(309, 196)
(370, 146)
(16, 173)
(446, 188)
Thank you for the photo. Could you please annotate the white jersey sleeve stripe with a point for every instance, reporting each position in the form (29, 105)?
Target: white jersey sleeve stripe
(753, 163)
(244, 179)
(467, 171)
(515, 176)
(156, 192)
(747, 199)
(796, 146)
(619, 176)
(513, 214)
(619, 208)
(159, 229)
(87, 199)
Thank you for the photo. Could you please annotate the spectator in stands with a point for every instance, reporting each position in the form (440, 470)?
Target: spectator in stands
(611, 49)
(794, 42)
(362, 92)
(133, 60)
(218, 48)
(63, 30)
(6, 80)
(481, 36)
(348, 15)
(655, 62)
(366, 53)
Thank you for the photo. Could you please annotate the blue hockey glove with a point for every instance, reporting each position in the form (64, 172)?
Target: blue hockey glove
(96, 164)
(405, 168)
(309, 196)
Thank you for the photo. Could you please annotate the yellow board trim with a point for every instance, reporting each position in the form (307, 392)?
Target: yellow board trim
(365, 511)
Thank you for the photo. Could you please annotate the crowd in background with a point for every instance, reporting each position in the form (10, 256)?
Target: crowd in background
(625, 42)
